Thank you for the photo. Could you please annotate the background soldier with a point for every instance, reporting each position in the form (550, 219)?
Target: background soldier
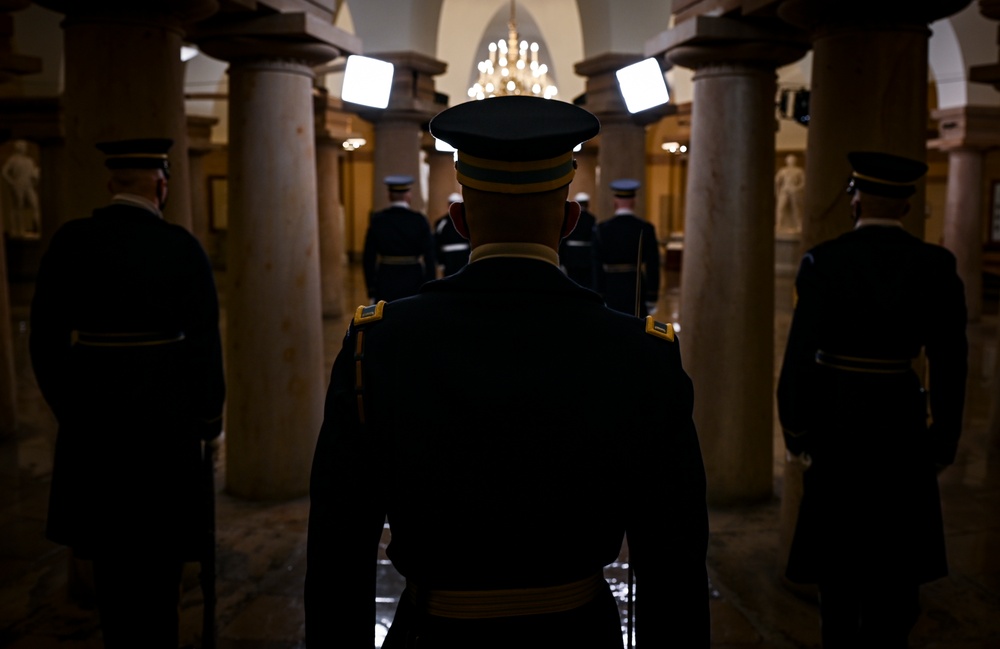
(399, 248)
(868, 303)
(452, 248)
(475, 478)
(616, 252)
(125, 346)
(575, 251)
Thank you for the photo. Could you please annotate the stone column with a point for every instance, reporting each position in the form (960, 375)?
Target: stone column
(622, 147)
(727, 277)
(399, 128)
(587, 178)
(872, 57)
(11, 65)
(441, 181)
(199, 145)
(124, 79)
(274, 340)
(331, 131)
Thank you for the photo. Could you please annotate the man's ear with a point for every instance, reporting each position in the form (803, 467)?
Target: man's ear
(571, 217)
(457, 213)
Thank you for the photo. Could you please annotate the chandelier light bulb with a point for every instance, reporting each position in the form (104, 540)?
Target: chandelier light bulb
(509, 69)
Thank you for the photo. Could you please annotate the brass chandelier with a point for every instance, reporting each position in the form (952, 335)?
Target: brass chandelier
(511, 70)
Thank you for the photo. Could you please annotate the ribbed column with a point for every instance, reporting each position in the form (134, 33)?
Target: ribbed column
(331, 225)
(399, 128)
(622, 141)
(727, 278)
(274, 340)
(963, 223)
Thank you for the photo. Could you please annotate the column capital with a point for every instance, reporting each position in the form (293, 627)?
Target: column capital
(199, 132)
(413, 97)
(295, 36)
(11, 64)
(39, 119)
(604, 98)
(707, 40)
(334, 124)
(818, 15)
(967, 127)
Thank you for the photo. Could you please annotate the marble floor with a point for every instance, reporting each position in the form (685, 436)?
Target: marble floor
(44, 593)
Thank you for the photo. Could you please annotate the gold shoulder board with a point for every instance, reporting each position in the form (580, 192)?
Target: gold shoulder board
(370, 313)
(659, 329)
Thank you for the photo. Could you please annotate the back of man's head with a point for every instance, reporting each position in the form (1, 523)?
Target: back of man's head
(515, 164)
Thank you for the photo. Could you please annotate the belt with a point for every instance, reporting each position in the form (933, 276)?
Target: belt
(867, 365)
(454, 247)
(619, 268)
(483, 604)
(143, 339)
(397, 260)
(573, 243)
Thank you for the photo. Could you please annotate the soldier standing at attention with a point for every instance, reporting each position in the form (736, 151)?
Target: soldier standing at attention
(575, 251)
(476, 478)
(616, 253)
(399, 248)
(452, 247)
(126, 349)
(855, 413)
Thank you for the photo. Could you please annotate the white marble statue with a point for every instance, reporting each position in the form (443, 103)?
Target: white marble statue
(21, 174)
(789, 190)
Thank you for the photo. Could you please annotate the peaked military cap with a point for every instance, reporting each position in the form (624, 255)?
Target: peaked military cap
(144, 153)
(399, 183)
(515, 144)
(884, 174)
(625, 187)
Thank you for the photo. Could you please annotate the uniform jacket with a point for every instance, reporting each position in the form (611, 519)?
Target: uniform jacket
(131, 417)
(576, 251)
(870, 495)
(452, 248)
(526, 473)
(616, 247)
(398, 232)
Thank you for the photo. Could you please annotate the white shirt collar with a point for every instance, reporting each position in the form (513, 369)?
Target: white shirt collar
(623, 210)
(510, 249)
(399, 204)
(890, 223)
(137, 201)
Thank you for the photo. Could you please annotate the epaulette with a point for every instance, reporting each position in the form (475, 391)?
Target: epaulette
(659, 329)
(370, 313)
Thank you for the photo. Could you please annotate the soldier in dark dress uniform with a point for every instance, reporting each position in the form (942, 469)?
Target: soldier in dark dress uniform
(452, 247)
(616, 252)
(496, 487)
(576, 254)
(126, 350)
(399, 247)
(869, 529)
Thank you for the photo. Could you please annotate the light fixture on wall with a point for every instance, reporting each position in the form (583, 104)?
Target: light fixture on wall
(513, 68)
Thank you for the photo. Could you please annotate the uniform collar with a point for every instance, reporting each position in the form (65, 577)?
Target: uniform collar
(623, 210)
(886, 223)
(136, 201)
(402, 204)
(523, 250)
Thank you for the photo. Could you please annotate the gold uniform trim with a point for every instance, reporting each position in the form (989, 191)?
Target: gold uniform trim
(881, 180)
(370, 313)
(660, 329)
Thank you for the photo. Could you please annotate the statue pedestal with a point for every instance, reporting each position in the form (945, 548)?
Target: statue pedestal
(786, 253)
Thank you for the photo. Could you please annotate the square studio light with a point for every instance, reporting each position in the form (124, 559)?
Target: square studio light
(642, 85)
(367, 81)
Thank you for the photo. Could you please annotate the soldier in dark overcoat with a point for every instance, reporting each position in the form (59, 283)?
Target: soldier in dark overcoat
(854, 410)
(125, 347)
(399, 247)
(617, 259)
(576, 254)
(451, 247)
(502, 507)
